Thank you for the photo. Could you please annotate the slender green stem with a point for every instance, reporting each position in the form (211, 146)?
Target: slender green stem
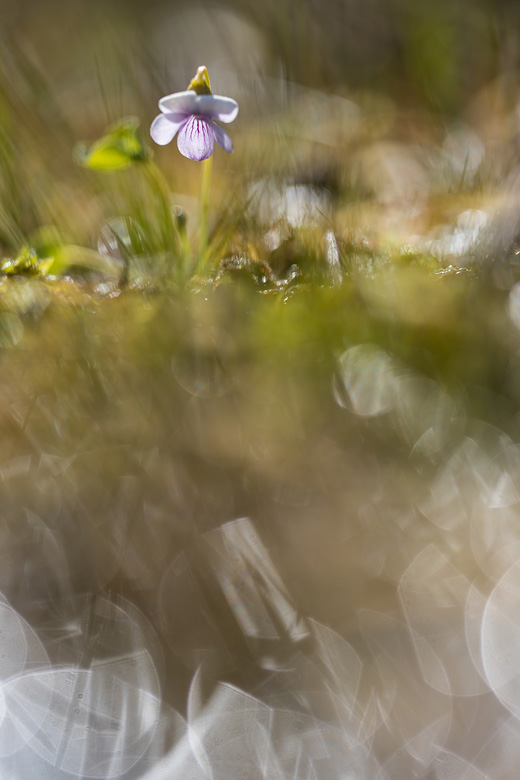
(204, 214)
(158, 182)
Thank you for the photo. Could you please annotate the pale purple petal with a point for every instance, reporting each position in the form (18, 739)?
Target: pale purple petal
(222, 138)
(165, 126)
(217, 107)
(181, 102)
(196, 139)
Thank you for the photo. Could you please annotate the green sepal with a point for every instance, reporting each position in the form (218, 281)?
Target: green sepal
(200, 82)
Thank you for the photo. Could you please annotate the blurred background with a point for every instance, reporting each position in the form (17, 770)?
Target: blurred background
(259, 511)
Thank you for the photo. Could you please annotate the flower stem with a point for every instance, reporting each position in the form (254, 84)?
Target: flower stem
(204, 214)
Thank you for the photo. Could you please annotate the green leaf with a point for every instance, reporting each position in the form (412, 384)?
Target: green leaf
(72, 256)
(119, 148)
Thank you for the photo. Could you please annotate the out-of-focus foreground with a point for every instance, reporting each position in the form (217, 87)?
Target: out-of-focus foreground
(260, 508)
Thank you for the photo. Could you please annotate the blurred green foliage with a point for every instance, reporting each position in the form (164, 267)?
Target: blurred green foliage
(120, 148)
(27, 263)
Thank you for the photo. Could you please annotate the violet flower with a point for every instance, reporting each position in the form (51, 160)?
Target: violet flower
(191, 116)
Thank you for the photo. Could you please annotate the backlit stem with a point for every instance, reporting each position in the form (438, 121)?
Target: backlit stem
(204, 213)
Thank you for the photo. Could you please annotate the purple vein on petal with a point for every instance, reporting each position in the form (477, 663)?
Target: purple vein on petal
(196, 139)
